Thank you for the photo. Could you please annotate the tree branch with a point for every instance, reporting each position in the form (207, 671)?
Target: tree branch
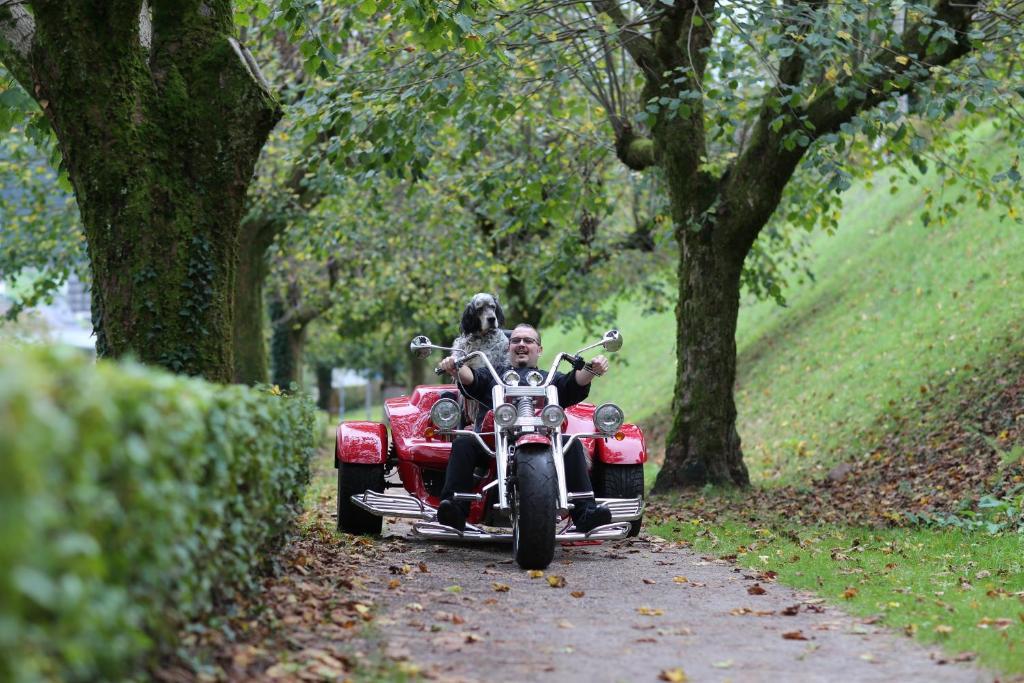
(17, 35)
(753, 186)
(639, 46)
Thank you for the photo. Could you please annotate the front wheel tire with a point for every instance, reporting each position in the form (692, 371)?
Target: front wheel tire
(533, 508)
(353, 479)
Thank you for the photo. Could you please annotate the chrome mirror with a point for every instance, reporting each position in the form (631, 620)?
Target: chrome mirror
(612, 340)
(420, 346)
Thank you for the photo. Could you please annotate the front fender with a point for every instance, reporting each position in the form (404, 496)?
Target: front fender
(632, 450)
(365, 443)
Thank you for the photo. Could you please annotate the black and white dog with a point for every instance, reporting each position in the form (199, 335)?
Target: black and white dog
(481, 330)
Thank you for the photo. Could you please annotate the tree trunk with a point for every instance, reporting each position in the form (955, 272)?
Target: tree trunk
(323, 387)
(160, 118)
(417, 371)
(250, 349)
(703, 445)
(288, 342)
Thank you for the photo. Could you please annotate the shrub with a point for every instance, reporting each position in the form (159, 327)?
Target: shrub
(131, 502)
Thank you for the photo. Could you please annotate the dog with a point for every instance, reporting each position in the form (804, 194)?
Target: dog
(481, 330)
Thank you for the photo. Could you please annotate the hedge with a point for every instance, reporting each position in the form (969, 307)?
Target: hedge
(132, 502)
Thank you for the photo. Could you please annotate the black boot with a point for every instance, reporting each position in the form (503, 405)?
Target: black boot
(587, 514)
(452, 513)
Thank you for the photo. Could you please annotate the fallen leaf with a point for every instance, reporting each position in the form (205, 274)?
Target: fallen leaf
(414, 606)
(849, 593)
(556, 581)
(794, 635)
(676, 675)
(564, 623)
(423, 567)
(362, 609)
(472, 638)
(501, 587)
(650, 582)
(756, 589)
(998, 624)
(454, 589)
(680, 579)
(394, 583)
(577, 594)
(724, 664)
(650, 611)
(791, 611)
(535, 573)
(943, 629)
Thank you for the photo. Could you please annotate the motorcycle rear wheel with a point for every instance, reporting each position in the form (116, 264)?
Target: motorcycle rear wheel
(620, 481)
(534, 497)
(354, 478)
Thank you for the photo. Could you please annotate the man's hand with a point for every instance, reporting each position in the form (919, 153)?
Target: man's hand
(594, 368)
(465, 373)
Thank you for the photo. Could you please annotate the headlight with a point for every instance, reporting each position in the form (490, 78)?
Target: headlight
(445, 414)
(552, 415)
(511, 378)
(505, 415)
(608, 418)
(534, 378)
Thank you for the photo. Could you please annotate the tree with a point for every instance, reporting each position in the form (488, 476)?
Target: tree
(160, 114)
(736, 96)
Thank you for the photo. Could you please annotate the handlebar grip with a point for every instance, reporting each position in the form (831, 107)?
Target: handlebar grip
(577, 362)
(438, 371)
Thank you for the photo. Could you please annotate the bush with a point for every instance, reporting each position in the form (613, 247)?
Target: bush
(131, 502)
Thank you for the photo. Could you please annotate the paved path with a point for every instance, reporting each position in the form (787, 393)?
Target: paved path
(636, 610)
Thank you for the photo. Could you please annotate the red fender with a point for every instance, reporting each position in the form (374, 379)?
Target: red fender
(365, 443)
(533, 438)
(632, 450)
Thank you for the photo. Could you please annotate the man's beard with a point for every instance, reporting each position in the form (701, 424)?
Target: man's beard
(520, 363)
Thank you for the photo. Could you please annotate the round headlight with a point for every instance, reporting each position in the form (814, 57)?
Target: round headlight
(552, 415)
(505, 415)
(608, 418)
(445, 414)
(511, 378)
(534, 378)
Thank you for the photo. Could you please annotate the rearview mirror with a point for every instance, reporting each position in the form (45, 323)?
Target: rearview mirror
(420, 346)
(612, 340)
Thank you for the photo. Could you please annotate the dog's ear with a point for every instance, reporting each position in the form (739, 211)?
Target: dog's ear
(500, 314)
(470, 320)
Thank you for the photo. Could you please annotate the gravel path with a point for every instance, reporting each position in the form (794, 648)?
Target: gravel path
(636, 610)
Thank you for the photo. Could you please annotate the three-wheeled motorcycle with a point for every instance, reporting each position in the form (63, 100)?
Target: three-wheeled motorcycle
(523, 487)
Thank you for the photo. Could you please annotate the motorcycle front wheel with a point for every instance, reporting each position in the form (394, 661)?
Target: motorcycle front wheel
(534, 493)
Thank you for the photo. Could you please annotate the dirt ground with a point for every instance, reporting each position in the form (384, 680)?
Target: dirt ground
(352, 608)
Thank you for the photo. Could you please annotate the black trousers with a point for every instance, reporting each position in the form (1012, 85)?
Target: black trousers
(467, 454)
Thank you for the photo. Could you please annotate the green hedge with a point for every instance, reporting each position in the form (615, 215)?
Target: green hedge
(131, 502)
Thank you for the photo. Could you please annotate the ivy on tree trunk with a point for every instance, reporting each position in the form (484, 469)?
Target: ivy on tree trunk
(160, 114)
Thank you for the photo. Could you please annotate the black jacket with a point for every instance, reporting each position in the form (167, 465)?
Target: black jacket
(569, 391)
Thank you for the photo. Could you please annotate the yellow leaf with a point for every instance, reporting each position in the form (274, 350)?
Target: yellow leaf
(535, 573)
(902, 59)
(501, 587)
(556, 581)
(676, 675)
(843, 35)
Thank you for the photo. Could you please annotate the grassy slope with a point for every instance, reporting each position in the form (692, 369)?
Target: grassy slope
(896, 308)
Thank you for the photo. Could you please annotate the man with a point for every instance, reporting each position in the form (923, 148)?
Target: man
(524, 349)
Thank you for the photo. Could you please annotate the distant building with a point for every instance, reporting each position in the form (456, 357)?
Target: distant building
(67, 320)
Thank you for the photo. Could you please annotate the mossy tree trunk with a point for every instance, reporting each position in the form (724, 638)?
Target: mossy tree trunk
(718, 218)
(160, 115)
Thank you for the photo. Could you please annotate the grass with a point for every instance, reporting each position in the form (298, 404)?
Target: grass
(964, 591)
